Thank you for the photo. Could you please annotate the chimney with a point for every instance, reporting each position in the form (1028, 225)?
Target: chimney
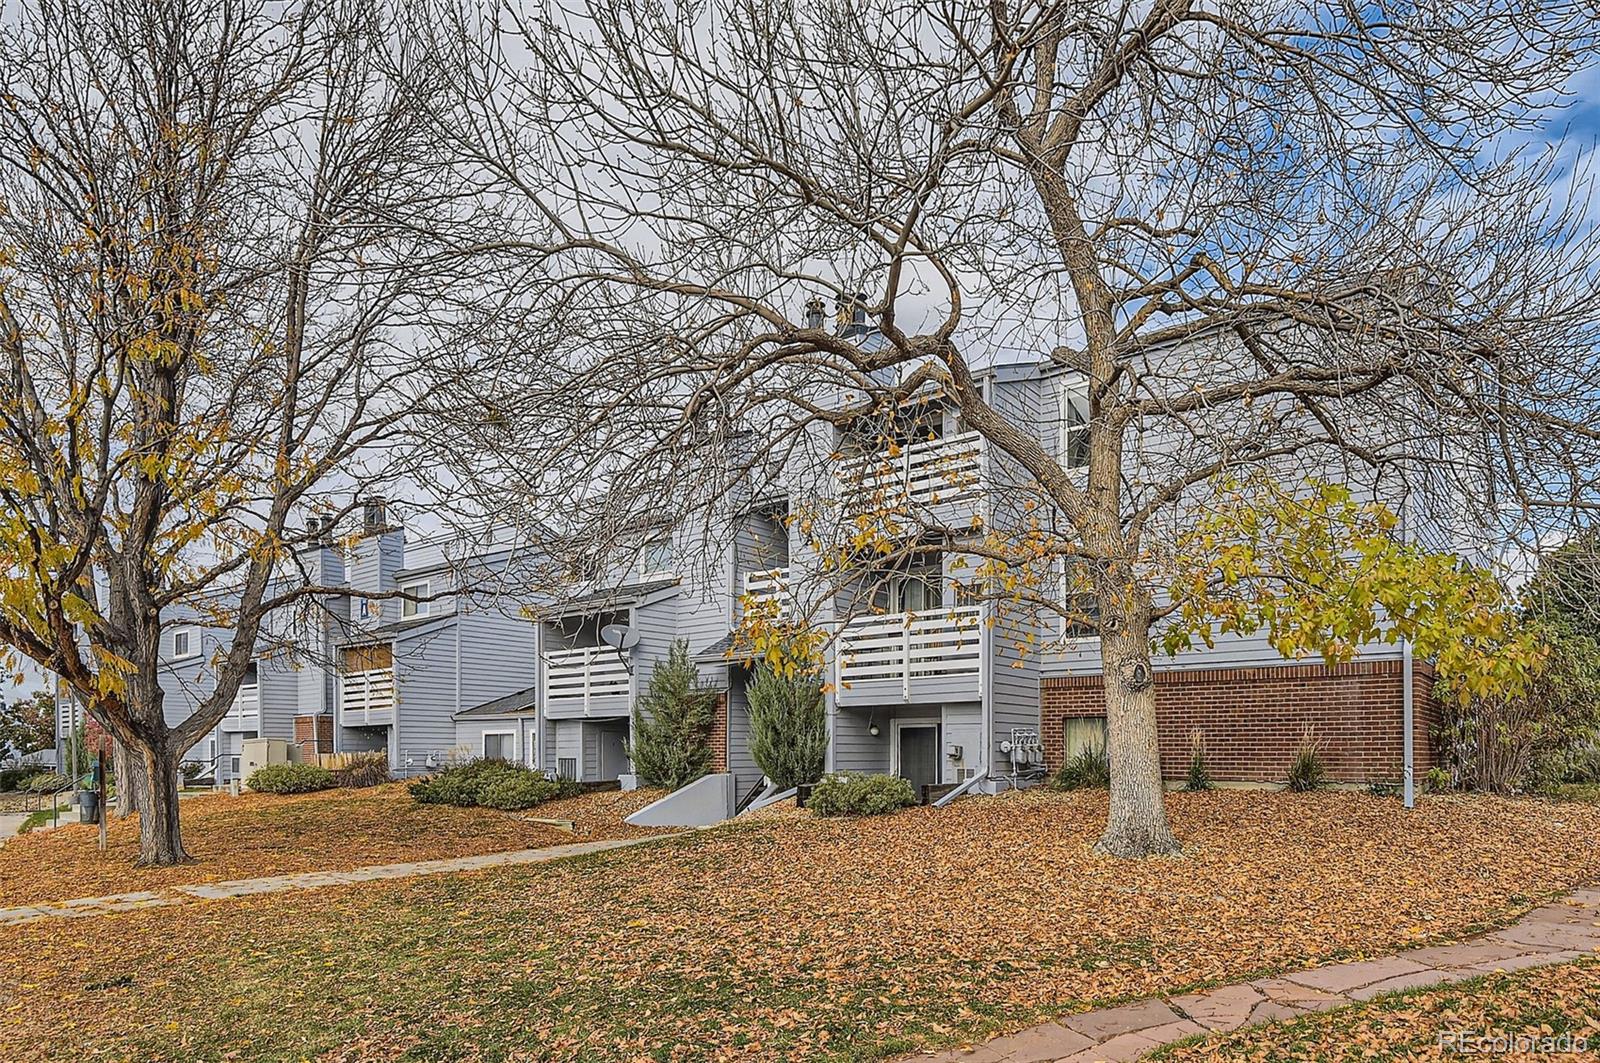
(815, 312)
(852, 315)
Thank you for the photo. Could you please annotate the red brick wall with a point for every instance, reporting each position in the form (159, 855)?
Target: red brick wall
(1253, 718)
(719, 735)
(313, 734)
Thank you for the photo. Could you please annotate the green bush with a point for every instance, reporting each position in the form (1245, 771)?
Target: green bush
(525, 789)
(788, 728)
(851, 794)
(672, 722)
(17, 778)
(1089, 770)
(1199, 772)
(290, 779)
(364, 769)
(1307, 771)
(491, 784)
(46, 782)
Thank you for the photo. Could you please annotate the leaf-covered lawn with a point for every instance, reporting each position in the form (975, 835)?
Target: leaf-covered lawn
(791, 938)
(265, 834)
(1561, 1004)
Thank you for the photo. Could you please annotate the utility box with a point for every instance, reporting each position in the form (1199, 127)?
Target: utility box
(260, 752)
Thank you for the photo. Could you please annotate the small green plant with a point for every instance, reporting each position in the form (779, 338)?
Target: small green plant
(1089, 769)
(1307, 771)
(1437, 781)
(851, 794)
(491, 784)
(363, 769)
(290, 779)
(17, 778)
(1199, 773)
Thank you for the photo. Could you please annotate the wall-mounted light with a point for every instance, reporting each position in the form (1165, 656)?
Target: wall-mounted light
(872, 727)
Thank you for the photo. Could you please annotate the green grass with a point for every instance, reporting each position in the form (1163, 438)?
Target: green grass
(45, 817)
(1588, 792)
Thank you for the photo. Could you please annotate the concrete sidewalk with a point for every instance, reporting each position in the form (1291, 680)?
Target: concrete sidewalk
(83, 907)
(1556, 933)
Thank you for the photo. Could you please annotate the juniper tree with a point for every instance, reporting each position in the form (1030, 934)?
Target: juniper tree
(671, 741)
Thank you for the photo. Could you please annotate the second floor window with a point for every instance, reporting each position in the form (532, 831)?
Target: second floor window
(410, 608)
(658, 558)
(1075, 422)
(184, 643)
(1081, 616)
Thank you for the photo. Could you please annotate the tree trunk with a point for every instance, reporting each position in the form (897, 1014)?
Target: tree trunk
(1137, 824)
(128, 770)
(160, 840)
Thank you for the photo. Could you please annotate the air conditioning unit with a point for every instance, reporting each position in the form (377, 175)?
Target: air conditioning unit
(260, 752)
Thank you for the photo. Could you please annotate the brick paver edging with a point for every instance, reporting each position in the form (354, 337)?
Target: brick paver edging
(82, 907)
(1557, 933)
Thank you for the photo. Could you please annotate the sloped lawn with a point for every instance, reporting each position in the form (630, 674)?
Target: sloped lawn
(792, 938)
(265, 834)
(1548, 1013)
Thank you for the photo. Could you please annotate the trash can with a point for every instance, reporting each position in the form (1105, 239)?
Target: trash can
(88, 807)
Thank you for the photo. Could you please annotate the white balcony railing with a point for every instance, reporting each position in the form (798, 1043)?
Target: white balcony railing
(245, 715)
(903, 647)
(585, 676)
(928, 473)
(769, 590)
(367, 692)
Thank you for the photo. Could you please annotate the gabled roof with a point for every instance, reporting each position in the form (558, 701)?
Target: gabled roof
(717, 651)
(624, 596)
(517, 704)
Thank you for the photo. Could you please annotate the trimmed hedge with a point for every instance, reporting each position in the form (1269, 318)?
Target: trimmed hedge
(290, 779)
(491, 784)
(851, 794)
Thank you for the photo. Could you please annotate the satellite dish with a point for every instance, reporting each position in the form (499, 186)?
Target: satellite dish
(620, 636)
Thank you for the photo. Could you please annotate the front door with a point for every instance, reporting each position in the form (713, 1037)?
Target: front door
(918, 754)
(613, 752)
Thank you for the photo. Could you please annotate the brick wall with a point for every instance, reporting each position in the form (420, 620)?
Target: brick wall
(1253, 718)
(719, 735)
(313, 734)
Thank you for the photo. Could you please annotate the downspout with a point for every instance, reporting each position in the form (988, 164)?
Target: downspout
(977, 777)
(1407, 680)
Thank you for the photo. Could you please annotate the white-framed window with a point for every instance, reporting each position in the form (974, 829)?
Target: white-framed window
(252, 677)
(410, 609)
(658, 558)
(1078, 599)
(184, 643)
(1075, 417)
(500, 745)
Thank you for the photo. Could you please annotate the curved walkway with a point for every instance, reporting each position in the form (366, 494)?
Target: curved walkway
(306, 880)
(1556, 933)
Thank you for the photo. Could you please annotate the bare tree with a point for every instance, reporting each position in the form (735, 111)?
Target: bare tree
(227, 261)
(1301, 238)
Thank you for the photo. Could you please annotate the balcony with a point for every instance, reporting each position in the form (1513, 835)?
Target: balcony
(245, 715)
(587, 681)
(367, 697)
(929, 656)
(767, 591)
(920, 476)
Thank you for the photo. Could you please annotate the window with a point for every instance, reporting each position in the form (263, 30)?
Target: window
(499, 745)
(251, 679)
(1085, 732)
(1075, 422)
(409, 608)
(658, 558)
(183, 643)
(1081, 620)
